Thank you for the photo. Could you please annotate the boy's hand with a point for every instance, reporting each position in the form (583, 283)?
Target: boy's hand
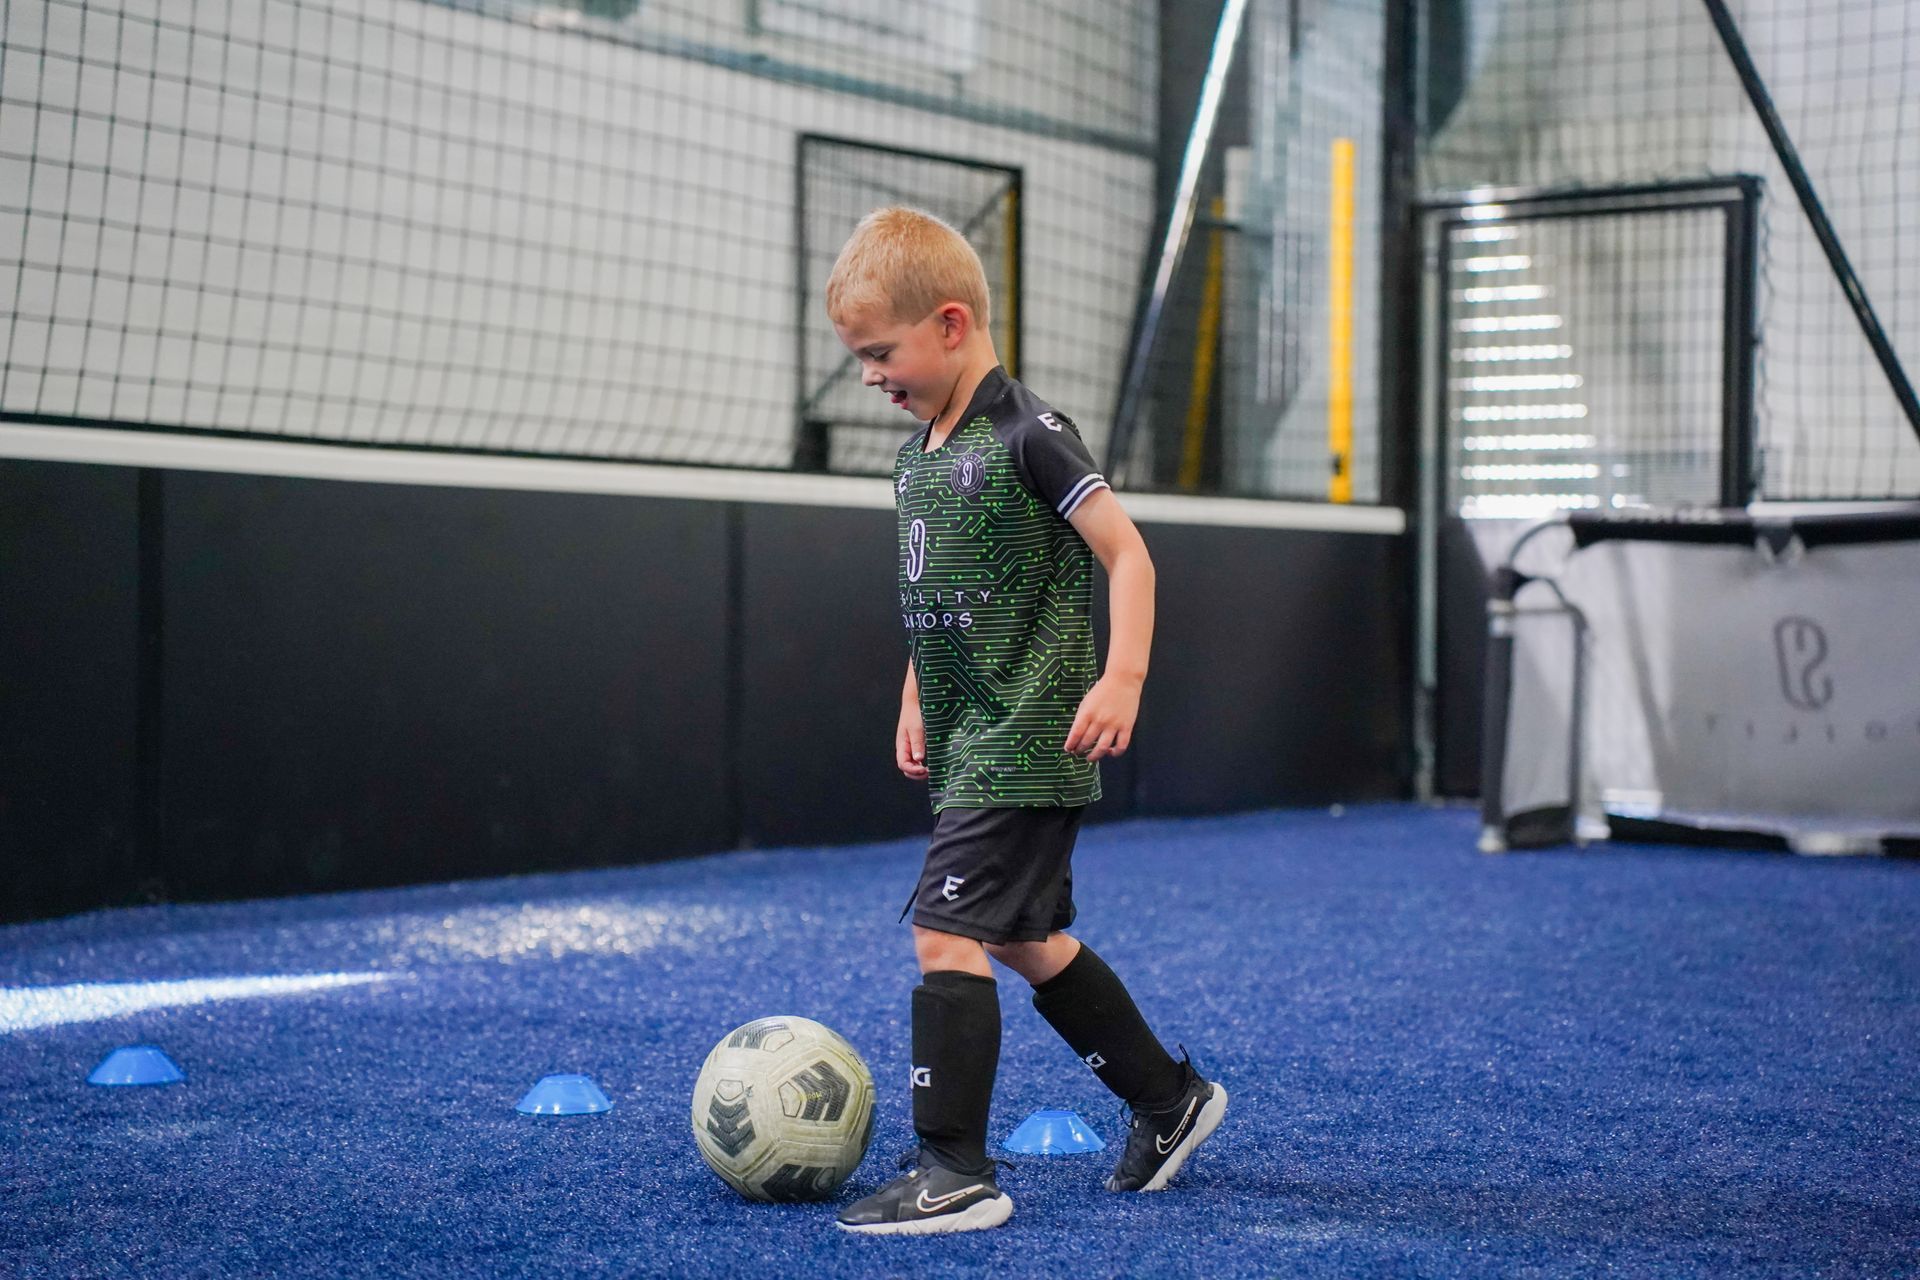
(910, 742)
(1104, 723)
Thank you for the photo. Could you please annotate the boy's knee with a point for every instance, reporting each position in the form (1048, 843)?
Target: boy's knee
(936, 951)
(1036, 961)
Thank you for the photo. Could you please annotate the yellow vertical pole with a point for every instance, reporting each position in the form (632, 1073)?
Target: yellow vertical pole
(1206, 342)
(1340, 309)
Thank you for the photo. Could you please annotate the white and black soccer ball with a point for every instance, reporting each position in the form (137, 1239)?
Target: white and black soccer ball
(783, 1109)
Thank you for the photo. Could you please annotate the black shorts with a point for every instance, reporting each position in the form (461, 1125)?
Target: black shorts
(999, 875)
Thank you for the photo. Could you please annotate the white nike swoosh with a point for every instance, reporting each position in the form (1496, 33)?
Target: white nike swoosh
(1172, 1140)
(933, 1204)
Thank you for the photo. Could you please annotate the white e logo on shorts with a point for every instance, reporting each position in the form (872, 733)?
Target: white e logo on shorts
(952, 890)
(923, 1077)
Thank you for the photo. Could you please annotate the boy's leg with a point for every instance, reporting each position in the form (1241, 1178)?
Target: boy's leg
(1174, 1108)
(987, 873)
(956, 1049)
(1090, 1007)
(956, 1053)
(972, 888)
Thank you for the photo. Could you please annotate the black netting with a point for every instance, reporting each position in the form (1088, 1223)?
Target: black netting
(558, 230)
(1607, 92)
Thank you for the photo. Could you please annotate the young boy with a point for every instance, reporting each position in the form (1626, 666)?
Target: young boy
(1001, 513)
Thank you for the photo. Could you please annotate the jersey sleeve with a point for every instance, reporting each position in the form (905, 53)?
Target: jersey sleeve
(1054, 462)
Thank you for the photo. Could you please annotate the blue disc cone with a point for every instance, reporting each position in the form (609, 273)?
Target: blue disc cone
(564, 1095)
(1052, 1133)
(136, 1064)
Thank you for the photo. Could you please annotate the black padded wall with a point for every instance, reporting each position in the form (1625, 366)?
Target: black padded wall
(1278, 673)
(69, 665)
(350, 685)
(370, 684)
(825, 658)
(1462, 644)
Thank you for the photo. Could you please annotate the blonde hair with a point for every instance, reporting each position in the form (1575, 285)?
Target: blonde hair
(901, 263)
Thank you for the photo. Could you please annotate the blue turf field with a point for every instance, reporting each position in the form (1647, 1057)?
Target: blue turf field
(1638, 1061)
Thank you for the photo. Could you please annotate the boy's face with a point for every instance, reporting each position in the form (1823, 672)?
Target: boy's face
(915, 364)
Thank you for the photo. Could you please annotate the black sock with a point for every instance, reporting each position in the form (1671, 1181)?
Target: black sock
(956, 1050)
(1089, 1006)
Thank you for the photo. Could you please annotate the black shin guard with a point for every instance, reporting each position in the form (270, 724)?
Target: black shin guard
(1089, 1006)
(956, 1051)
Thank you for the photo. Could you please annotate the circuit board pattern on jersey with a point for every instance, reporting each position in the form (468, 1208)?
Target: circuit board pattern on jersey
(996, 594)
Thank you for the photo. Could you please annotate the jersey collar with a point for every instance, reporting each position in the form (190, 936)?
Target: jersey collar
(993, 385)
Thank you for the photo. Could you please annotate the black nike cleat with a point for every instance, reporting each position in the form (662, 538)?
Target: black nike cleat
(1159, 1142)
(927, 1200)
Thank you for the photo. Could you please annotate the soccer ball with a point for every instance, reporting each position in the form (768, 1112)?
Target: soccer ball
(783, 1109)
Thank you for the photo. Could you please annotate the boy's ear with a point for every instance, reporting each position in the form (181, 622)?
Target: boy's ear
(956, 322)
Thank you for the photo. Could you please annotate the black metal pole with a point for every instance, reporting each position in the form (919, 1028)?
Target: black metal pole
(1816, 214)
(1497, 704)
(1435, 514)
(1737, 478)
(809, 437)
(1400, 317)
(1400, 262)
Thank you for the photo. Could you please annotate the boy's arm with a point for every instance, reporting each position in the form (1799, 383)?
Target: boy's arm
(1104, 724)
(910, 735)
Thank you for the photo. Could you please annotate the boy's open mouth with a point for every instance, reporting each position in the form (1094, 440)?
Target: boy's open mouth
(898, 397)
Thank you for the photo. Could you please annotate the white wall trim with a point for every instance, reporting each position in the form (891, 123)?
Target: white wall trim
(181, 452)
(1263, 513)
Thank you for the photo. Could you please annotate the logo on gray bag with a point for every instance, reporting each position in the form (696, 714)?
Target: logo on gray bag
(1801, 645)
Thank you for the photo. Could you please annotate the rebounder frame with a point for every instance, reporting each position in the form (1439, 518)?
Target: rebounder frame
(1778, 534)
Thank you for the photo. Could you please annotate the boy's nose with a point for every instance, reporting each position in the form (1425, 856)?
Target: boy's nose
(871, 377)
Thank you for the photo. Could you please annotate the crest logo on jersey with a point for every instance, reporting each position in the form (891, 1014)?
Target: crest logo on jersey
(916, 550)
(905, 477)
(969, 474)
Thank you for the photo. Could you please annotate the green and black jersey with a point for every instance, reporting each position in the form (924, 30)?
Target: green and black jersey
(996, 593)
